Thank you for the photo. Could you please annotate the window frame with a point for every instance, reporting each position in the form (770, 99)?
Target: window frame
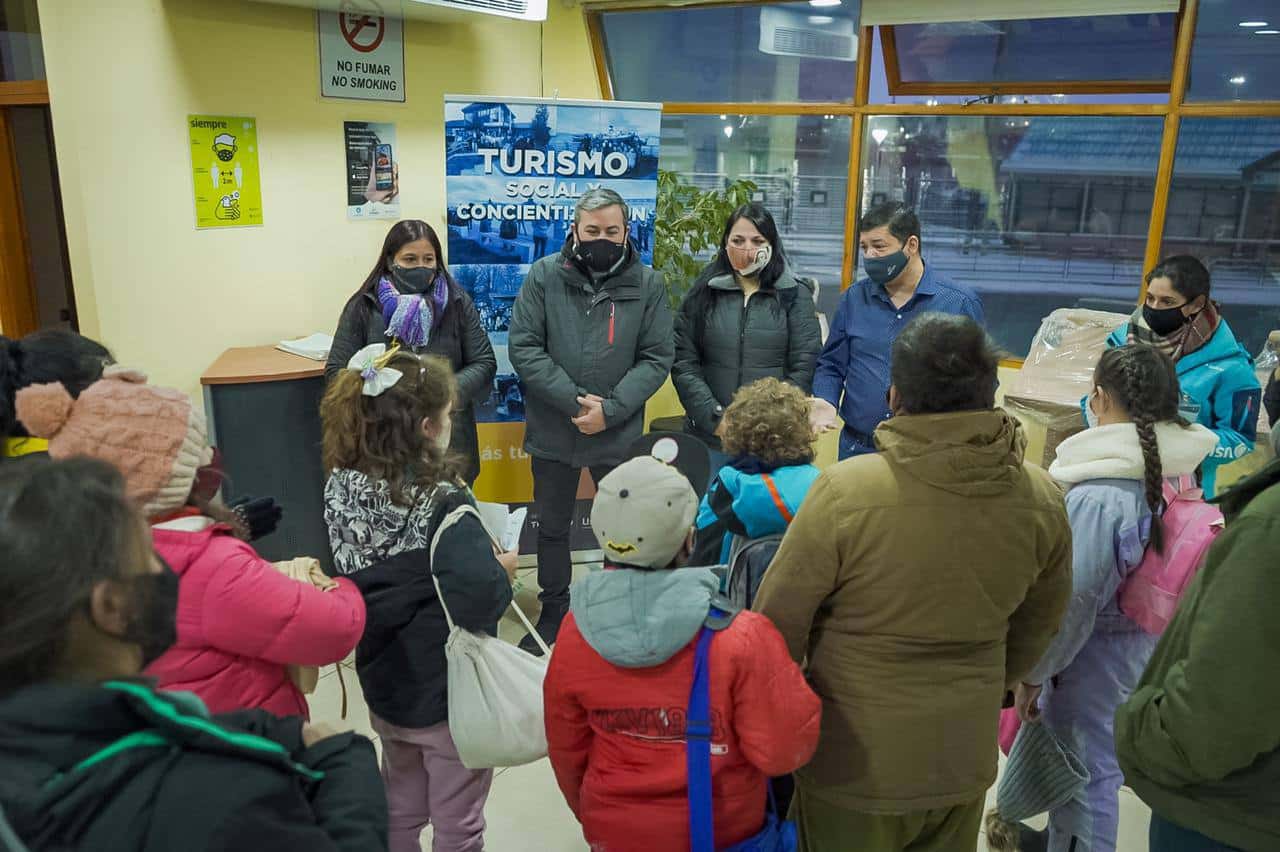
(898, 86)
(1172, 112)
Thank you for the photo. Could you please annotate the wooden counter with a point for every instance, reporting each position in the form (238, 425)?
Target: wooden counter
(252, 364)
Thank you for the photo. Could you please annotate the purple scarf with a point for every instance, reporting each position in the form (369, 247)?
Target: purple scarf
(411, 319)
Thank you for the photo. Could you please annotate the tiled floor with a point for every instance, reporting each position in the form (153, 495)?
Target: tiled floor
(526, 811)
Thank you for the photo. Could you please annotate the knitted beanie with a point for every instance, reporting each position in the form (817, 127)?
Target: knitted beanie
(153, 435)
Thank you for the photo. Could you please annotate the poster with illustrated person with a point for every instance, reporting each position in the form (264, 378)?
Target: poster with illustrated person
(224, 170)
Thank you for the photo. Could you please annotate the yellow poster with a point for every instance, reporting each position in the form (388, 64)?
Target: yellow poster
(224, 167)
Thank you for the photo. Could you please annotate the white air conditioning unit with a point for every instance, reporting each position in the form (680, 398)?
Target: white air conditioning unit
(428, 10)
(787, 32)
(448, 10)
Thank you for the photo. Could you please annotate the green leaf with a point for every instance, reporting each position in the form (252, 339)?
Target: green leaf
(690, 221)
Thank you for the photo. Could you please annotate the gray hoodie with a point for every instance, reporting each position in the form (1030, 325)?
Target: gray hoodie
(636, 619)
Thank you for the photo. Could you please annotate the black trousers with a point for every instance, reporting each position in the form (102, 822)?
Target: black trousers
(555, 492)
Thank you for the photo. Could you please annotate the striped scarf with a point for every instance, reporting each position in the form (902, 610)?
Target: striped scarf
(410, 318)
(1187, 339)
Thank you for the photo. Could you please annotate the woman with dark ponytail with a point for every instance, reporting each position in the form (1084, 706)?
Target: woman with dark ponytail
(411, 300)
(1114, 473)
(1217, 384)
(747, 317)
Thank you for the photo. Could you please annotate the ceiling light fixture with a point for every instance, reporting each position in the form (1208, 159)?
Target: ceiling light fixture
(1238, 80)
(1267, 32)
(1252, 24)
(826, 4)
(821, 19)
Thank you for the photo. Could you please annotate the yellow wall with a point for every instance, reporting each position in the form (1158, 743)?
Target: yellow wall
(124, 74)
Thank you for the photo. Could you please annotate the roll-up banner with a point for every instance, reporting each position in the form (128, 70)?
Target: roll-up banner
(515, 168)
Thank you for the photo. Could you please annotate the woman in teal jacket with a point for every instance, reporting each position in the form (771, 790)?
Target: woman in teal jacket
(1219, 387)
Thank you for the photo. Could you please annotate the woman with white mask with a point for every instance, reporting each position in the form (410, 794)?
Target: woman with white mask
(747, 317)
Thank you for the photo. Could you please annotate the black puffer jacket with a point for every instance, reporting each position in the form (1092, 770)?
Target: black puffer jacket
(572, 335)
(385, 549)
(460, 339)
(774, 334)
(119, 766)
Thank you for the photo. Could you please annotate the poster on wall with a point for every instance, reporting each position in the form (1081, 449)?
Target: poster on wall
(361, 54)
(373, 170)
(515, 168)
(224, 167)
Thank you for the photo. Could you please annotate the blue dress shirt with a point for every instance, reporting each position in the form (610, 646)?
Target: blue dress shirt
(853, 369)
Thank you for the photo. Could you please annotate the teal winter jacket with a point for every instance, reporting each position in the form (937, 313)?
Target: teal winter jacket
(1220, 391)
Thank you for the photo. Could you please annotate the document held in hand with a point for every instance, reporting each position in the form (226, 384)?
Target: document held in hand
(504, 525)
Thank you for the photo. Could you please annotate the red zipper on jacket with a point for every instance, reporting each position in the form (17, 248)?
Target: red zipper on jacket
(613, 309)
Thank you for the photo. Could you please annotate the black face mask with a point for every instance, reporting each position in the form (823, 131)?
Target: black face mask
(600, 255)
(153, 626)
(1166, 321)
(882, 270)
(414, 280)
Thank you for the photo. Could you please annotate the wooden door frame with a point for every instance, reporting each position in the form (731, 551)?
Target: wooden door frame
(24, 93)
(18, 313)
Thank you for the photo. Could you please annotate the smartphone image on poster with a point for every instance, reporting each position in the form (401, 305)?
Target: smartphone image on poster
(382, 171)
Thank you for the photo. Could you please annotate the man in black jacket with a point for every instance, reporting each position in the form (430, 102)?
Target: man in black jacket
(591, 338)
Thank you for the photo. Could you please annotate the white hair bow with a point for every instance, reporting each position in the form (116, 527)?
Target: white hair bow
(370, 363)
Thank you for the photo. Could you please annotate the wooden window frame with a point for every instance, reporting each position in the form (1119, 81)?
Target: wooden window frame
(18, 313)
(859, 110)
(898, 86)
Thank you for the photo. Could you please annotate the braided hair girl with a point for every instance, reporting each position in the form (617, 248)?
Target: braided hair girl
(1143, 383)
(1115, 474)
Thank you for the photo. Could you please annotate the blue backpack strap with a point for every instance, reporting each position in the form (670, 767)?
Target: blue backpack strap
(698, 749)
(698, 729)
(721, 614)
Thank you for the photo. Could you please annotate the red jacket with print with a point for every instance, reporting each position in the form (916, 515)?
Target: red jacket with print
(616, 735)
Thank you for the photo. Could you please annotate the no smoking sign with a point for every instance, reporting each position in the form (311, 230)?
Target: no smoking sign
(363, 32)
(361, 56)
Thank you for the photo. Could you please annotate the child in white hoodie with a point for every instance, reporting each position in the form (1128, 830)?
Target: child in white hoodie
(1114, 472)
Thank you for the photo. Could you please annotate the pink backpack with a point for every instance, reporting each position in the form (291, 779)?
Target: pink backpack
(1151, 593)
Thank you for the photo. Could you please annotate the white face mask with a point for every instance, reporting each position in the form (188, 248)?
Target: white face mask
(763, 255)
(1090, 416)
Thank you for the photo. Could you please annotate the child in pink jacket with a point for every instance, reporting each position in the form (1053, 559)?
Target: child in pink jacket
(241, 621)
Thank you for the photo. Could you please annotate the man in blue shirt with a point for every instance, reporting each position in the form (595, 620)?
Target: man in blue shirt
(853, 370)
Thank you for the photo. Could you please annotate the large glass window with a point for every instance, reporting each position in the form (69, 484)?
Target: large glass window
(746, 54)
(1134, 48)
(1236, 52)
(21, 56)
(1035, 213)
(1224, 207)
(799, 163)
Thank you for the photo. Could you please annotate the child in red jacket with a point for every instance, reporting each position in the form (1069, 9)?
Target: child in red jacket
(617, 691)
(241, 622)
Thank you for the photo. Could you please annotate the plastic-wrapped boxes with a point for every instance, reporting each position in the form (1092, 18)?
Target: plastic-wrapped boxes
(1058, 372)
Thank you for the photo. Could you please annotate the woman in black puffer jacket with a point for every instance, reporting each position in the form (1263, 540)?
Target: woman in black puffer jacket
(411, 299)
(746, 318)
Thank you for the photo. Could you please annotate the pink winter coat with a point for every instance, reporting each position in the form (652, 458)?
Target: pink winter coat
(240, 622)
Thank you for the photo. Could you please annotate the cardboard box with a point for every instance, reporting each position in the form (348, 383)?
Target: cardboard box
(1058, 372)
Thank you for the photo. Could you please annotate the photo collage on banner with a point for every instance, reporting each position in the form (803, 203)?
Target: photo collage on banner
(515, 169)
